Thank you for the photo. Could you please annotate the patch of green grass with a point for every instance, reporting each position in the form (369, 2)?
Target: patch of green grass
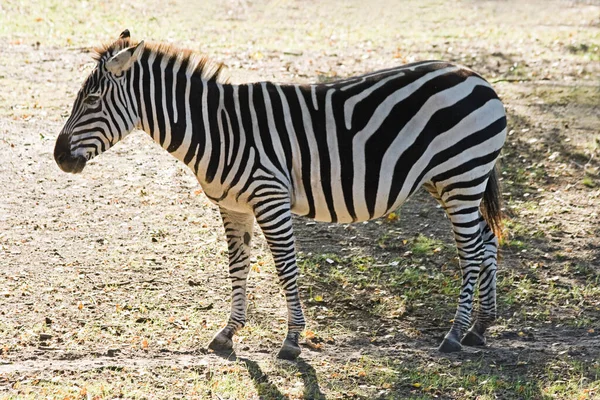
(228, 379)
(518, 70)
(480, 380)
(514, 244)
(419, 246)
(565, 95)
(423, 245)
(471, 379)
(392, 290)
(588, 181)
(385, 290)
(590, 51)
(571, 379)
(517, 229)
(364, 376)
(517, 234)
(550, 298)
(582, 270)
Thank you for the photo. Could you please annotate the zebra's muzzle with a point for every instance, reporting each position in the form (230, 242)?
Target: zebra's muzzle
(70, 164)
(63, 157)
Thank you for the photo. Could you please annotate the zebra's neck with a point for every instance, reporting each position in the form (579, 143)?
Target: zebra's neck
(172, 100)
(198, 121)
(210, 126)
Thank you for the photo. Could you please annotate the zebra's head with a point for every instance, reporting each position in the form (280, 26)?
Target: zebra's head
(104, 111)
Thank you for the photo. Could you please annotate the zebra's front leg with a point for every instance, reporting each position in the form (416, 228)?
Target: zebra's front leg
(275, 220)
(238, 229)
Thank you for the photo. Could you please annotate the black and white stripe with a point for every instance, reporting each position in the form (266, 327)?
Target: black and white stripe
(346, 151)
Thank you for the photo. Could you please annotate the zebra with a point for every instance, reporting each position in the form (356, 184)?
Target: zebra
(345, 151)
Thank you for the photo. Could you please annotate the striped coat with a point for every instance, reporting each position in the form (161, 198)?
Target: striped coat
(345, 151)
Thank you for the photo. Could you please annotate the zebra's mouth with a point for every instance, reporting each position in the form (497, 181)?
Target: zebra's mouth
(71, 164)
(64, 158)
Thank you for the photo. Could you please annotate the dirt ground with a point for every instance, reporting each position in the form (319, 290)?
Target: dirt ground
(112, 282)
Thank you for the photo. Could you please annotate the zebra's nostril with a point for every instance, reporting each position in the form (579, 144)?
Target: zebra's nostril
(61, 157)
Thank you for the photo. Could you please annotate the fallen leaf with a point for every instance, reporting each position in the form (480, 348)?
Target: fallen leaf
(308, 334)
(314, 346)
(391, 217)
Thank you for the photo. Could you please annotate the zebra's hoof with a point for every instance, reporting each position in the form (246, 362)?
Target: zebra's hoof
(289, 351)
(473, 338)
(450, 345)
(221, 343)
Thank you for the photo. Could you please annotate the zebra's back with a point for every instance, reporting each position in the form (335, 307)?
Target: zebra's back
(358, 148)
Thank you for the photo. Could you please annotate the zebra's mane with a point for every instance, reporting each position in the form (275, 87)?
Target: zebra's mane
(191, 61)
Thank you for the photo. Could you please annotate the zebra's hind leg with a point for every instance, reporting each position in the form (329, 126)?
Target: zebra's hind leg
(238, 229)
(469, 243)
(463, 210)
(487, 289)
(275, 220)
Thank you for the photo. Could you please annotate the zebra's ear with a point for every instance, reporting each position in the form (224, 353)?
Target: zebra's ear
(124, 59)
(125, 34)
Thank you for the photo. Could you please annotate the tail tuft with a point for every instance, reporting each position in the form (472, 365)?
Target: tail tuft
(492, 204)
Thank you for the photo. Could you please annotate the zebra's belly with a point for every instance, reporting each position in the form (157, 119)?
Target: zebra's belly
(335, 212)
(226, 199)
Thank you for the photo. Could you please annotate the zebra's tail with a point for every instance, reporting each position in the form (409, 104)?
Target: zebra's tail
(492, 204)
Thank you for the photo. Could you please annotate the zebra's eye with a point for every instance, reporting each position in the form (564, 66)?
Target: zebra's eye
(91, 99)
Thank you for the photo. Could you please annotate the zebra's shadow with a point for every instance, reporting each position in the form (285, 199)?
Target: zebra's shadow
(308, 375)
(268, 390)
